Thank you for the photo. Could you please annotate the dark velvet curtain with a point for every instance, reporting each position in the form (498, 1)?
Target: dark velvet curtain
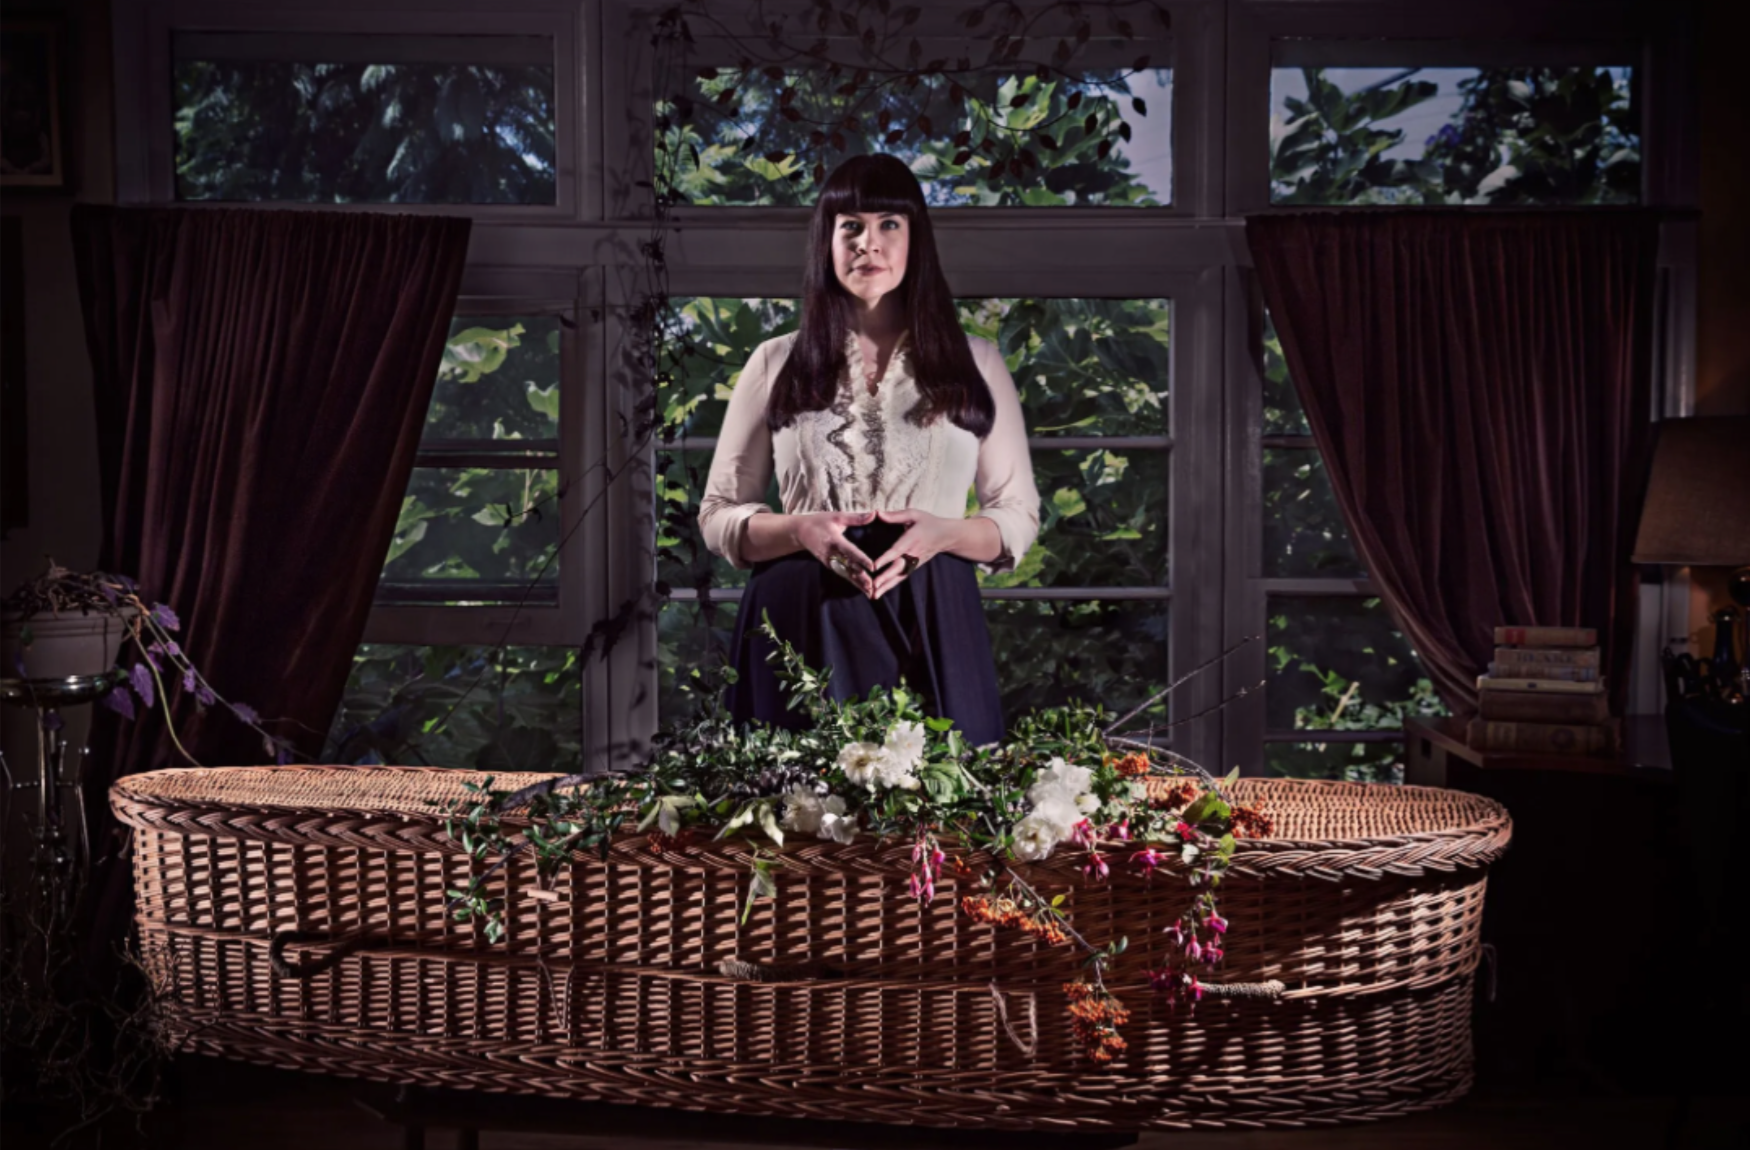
(261, 378)
(1478, 384)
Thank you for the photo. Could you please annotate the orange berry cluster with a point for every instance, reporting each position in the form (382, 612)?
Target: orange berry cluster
(1177, 795)
(1131, 766)
(1007, 912)
(1252, 823)
(1095, 1016)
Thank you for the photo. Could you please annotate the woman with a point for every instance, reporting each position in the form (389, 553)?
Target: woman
(878, 415)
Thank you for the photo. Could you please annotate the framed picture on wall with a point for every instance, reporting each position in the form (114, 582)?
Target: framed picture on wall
(30, 105)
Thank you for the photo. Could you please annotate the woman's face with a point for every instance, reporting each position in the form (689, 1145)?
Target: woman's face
(868, 253)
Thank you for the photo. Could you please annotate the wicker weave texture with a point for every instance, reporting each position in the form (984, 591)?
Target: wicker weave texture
(609, 986)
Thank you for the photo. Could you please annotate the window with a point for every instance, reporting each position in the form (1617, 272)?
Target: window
(1444, 135)
(760, 137)
(478, 546)
(365, 119)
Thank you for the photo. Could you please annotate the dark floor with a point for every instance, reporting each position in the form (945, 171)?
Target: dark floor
(216, 1105)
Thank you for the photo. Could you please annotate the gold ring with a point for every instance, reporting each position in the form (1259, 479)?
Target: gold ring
(911, 564)
(837, 563)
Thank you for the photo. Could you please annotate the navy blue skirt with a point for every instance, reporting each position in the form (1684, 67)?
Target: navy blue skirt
(928, 632)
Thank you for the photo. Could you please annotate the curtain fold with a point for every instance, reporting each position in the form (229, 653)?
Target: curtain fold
(262, 378)
(1478, 385)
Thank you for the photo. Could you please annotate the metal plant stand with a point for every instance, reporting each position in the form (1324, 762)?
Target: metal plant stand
(62, 858)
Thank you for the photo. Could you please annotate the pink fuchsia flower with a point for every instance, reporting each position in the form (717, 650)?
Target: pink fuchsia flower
(1095, 867)
(1120, 830)
(1213, 954)
(1217, 923)
(936, 857)
(917, 851)
(1148, 858)
(1194, 951)
(1083, 834)
(1176, 933)
(1185, 830)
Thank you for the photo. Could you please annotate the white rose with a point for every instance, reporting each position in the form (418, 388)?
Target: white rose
(895, 773)
(1087, 804)
(1059, 774)
(803, 809)
(905, 743)
(1034, 839)
(836, 825)
(862, 763)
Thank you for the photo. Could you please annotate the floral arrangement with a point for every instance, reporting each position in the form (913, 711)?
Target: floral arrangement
(161, 663)
(1065, 781)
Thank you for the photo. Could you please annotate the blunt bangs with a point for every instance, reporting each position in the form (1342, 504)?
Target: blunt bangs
(871, 184)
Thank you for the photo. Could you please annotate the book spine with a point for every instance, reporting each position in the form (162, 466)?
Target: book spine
(1560, 656)
(1555, 686)
(1513, 669)
(1543, 707)
(1538, 738)
(1546, 636)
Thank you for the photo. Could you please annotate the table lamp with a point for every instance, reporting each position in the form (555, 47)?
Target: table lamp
(1697, 514)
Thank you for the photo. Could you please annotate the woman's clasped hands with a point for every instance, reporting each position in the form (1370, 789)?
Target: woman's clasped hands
(926, 536)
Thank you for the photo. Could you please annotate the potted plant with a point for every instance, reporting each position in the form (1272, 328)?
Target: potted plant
(69, 623)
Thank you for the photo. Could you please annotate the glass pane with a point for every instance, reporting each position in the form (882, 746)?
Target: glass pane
(404, 133)
(1082, 366)
(476, 523)
(692, 644)
(1049, 653)
(714, 338)
(1103, 521)
(1304, 532)
(747, 138)
(1348, 762)
(521, 709)
(499, 380)
(1339, 664)
(681, 557)
(1282, 411)
(1454, 136)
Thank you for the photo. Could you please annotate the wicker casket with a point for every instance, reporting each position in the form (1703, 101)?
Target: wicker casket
(1352, 952)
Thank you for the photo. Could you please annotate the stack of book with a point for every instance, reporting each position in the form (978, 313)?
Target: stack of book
(1544, 694)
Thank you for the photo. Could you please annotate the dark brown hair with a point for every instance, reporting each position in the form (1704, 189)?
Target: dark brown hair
(941, 357)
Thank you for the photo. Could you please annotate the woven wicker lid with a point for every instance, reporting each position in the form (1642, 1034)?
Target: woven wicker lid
(1305, 812)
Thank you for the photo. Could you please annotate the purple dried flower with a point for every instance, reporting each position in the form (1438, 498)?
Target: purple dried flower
(203, 694)
(245, 712)
(121, 703)
(165, 617)
(189, 679)
(141, 678)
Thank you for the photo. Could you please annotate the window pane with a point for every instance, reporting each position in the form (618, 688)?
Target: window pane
(1304, 531)
(681, 558)
(461, 707)
(1049, 653)
(309, 131)
(1348, 762)
(499, 380)
(1283, 414)
(1082, 366)
(692, 644)
(1103, 521)
(1454, 136)
(755, 147)
(477, 524)
(1339, 664)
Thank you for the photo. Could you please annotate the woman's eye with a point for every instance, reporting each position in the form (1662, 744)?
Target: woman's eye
(890, 224)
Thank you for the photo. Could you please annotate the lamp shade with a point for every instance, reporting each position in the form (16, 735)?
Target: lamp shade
(1697, 511)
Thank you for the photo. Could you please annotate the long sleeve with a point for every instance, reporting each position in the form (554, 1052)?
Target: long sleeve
(741, 468)
(1004, 480)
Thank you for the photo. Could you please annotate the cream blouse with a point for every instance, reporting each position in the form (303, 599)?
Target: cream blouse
(862, 454)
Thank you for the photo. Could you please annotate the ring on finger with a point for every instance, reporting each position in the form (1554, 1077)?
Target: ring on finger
(838, 564)
(910, 564)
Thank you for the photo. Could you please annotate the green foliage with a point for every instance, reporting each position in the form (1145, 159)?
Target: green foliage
(262, 130)
(1347, 762)
(462, 707)
(1520, 136)
(986, 136)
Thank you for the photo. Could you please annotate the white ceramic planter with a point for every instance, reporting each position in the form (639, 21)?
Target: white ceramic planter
(72, 644)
